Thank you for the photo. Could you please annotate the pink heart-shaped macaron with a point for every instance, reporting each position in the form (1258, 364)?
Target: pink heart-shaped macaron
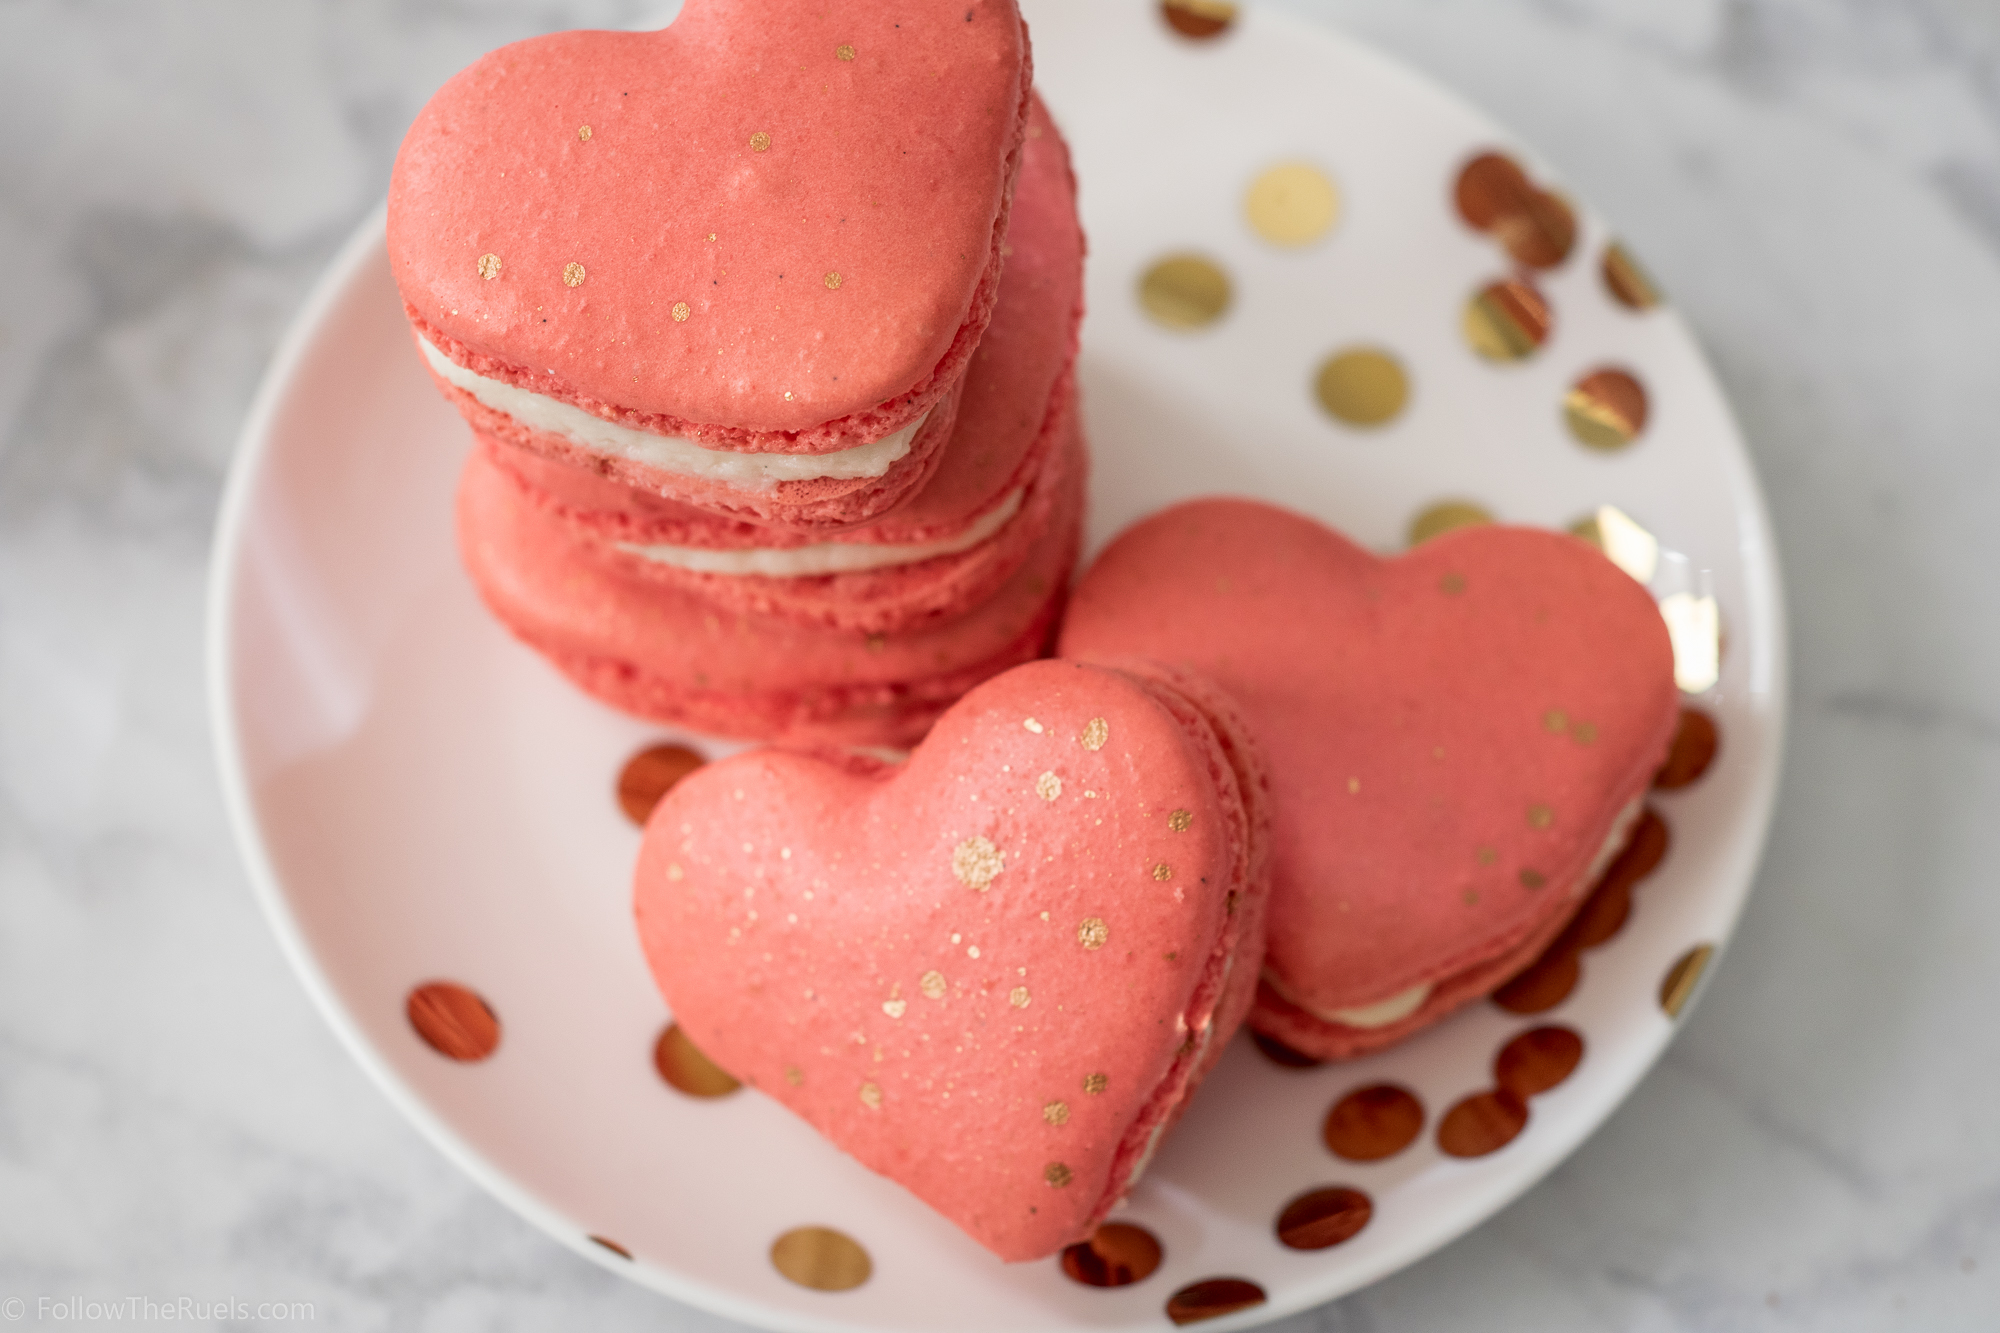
(1459, 739)
(768, 227)
(993, 973)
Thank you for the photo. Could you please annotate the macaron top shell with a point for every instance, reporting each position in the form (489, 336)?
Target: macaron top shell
(766, 226)
(975, 971)
(1451, 733)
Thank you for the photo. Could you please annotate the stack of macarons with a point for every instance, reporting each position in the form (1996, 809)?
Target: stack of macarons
(768, 354)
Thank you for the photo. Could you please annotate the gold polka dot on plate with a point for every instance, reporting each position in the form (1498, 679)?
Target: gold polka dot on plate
(1362, 386)
(1507, 320)
(681, 1063)
(1292, 204)
(1199, 19)
(1184, 291)
(1677, 987)
(1213, 1299)
(1630, 285)
(1606, 409)
(454, 1020)
(1444, 516)
(1117, 1255)
(651, 774)
(1483, 1123)
(821, 1258)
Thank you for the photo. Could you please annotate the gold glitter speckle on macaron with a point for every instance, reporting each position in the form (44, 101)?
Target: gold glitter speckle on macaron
(1018, 997)
(833, 282)
(572, 274)
(1057, 1174)
(1540, 815)
(871, 1096)
(1533, 879)
(1032, 725)
(681, 312)
(1048, 786)
(583, 134)
(932, 985)
(793, 1076)
(895, 1008)
(975, 862)
(1056, 1113)
(1094, 1084)
(1180, 821)
(489, 267)
(760, 142)
(843, 52)
(1091, 932)
(1095, 733)
(1163, 871)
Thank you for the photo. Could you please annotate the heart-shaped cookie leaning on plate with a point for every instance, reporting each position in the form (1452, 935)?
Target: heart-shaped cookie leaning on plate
(1459, 739)
(996, 972)
(741, 255)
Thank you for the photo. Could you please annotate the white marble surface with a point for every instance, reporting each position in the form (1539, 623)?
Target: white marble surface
(1816, 184)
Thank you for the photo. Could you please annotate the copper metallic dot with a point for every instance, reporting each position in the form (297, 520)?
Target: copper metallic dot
(1629, 284)
(1056, 1113)
(1693, 750)
(1507, 320)
(871, 1096)
(843, 52)
(1606, 410)
(1446, 516)
(1199, 19)
(489, 266)
(1213, 1299)
(1489, 187)
(1180, 821)
(1677, 987)
(681, 1063)
(650, 775)
(932, 985)
(612, 1246)
(1543, 985)
(1483, 1123)
(975, 862)
(1184, 291)
(1095, 733)
(572, 274)
(1372, 1123)
(1533, 879)
(1093, 1084)
(1362, 386)
(453, 1020)
(1292, 204)
(1057, 1174)
(1282, 1055)
(1117, 1255)
(833, 282)
(1091, 932)
(1324, 1218)
(1539, 234)
(1537, 1060)
(681, 312)
(583, 133)
(1163, 871)
(760, 142)
(1603, 913)
(821, 1258)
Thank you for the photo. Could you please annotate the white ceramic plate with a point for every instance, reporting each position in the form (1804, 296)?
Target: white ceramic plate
(418, 797)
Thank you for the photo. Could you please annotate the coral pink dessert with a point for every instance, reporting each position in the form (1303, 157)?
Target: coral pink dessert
(994, 973)
(737, 261)
(1460, 739)
(666, 654)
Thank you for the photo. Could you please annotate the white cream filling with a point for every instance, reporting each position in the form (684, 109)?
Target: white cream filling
(1401, 1005)
(825, 557)
(1384, 1012)
(672, 453)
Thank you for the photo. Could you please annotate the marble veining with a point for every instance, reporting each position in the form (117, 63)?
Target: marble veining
(1815, 183)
